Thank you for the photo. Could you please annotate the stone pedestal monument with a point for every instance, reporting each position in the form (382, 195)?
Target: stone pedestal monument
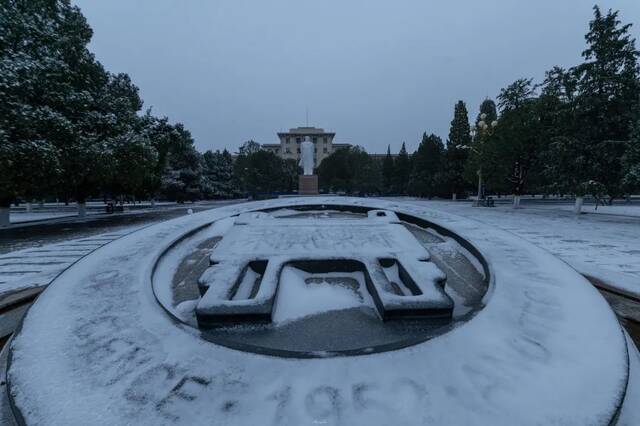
(307, 182)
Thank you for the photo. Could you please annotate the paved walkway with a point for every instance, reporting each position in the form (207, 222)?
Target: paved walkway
(22, 236)
(603, 246)
(37, 267)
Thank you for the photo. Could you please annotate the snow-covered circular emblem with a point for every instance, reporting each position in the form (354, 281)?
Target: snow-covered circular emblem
(325, 281)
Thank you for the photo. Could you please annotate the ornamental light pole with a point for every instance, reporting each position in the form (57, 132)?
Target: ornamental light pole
(481, 131)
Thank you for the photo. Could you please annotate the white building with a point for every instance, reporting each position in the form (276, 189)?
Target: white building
(289, 146)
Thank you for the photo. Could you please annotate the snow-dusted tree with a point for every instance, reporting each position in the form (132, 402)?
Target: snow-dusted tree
(351, 170)
(568, 167)
(590, 109)
(427, 177)
(516, 142)
(131, 157)
(291, 173)
(367, 176)
(608, 94)
(249, 147)
(401, 171)
(217, 175)
(260, 172)
(387, 172)
(181, 180)
(457, 152)
(70, 128)
(161, 136)
(631, 162)
(50, 84)
(609, 79)
(28, 157)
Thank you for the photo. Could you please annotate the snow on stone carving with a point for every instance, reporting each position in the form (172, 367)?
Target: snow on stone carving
(400, 278)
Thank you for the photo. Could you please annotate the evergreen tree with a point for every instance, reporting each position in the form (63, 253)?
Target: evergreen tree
(597, 101)
(387, 172)
(260, 172)
(608, 87)
(427, 178)
(130, 153)
(336, 172)
(516, 141)
(161, 135)
(401, 171)
(351, 170)
(129, 158)
(249, 147)
(457, 149)
(631, 161)
(367, 179)
(41, 51)
(557, 104)
(68, 127)
(181, 180)
(291, 173)
(567, 166)
(607, 96)
(217, 175)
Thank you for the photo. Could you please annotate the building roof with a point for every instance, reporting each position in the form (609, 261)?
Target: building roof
(303, 131)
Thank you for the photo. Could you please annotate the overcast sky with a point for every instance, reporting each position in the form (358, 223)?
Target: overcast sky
(375, 72)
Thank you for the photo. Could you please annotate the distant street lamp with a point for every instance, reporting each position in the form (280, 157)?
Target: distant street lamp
(481, 131)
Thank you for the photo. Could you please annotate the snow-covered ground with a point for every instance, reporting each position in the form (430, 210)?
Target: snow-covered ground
(37, 267)
(602, 246)
(546, 349)
(618, 210)
(17, 217)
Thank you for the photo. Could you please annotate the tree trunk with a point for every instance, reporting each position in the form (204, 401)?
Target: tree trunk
(454, 196)
(29, 206)
(5, 219)
(153, 203)
(577, 208)
(82, 209)
(41, 204)
(516, 201)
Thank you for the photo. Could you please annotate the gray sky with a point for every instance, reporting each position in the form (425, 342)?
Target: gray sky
(375, 72)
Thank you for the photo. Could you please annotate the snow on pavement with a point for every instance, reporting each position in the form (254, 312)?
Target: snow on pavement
(615, 210)
(604, 247)
(37, 267)
(122, 360)
(31, 217)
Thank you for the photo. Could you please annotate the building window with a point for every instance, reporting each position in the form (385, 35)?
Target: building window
(325, 150)
(315, 150)
(325, 139)
(315, 139)
(298, 150)
(298, 140)
(288, 151)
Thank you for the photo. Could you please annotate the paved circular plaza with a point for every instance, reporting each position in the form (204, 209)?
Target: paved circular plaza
(321, 310)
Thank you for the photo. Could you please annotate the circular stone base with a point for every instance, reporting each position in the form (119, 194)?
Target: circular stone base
(97, 348)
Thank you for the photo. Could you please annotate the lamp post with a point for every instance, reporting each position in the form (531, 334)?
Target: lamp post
(481, 131)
